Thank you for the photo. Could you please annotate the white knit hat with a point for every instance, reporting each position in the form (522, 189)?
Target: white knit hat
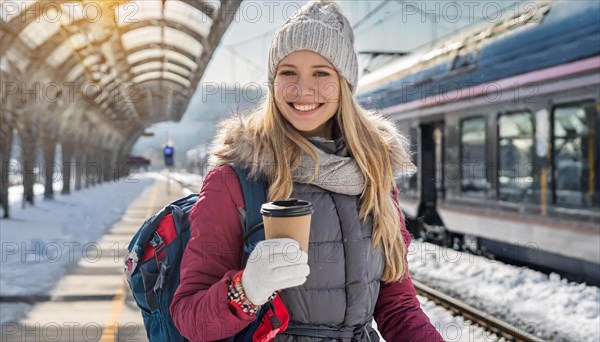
(318, 26)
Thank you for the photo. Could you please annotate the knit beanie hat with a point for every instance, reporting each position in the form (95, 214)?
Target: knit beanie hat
(318, 26)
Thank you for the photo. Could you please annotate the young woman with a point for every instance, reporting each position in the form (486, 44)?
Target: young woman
(312, 141)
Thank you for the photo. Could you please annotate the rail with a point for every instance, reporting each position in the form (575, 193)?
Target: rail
(486, 321)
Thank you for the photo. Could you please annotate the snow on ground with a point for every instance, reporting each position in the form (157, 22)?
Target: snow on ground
(191, 182)
(15, 193)
(41, 242)
(547, 305)
(13, 312)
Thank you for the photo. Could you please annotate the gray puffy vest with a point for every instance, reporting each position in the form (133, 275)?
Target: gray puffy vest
(338, 299)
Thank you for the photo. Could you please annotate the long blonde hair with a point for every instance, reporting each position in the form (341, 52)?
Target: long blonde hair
(272, 133)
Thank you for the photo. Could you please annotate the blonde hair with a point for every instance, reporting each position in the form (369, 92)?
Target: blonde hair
(272, 133)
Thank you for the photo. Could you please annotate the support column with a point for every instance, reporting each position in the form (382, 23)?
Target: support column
(86, 170)
(79, 166)
(115, 165)
(28, 144)
(5, 145)
(49, 150)
(106, 166)
(67, 156)
(93, 169)
(123, 170)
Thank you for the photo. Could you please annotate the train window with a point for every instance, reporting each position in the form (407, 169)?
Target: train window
(472, 157)
(573, 155)
(515, 157)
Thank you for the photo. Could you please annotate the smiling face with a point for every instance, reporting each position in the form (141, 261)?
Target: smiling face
(307, 92)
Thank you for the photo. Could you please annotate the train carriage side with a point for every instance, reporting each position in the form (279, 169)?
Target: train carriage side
(506, 138)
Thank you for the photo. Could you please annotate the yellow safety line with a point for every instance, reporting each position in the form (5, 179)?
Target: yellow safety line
(111, 325)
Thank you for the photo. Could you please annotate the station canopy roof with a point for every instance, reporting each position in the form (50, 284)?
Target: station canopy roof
(139, 62)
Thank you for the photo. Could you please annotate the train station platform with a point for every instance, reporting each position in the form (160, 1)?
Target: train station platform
(92, 302)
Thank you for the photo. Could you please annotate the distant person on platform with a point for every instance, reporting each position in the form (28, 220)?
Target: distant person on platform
(311, 140)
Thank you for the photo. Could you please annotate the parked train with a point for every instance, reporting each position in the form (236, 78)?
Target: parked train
(504, 121)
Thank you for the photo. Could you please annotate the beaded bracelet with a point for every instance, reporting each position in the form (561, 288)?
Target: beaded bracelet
(238, 296)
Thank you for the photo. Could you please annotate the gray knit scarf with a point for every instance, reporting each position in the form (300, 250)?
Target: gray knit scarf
(338, 171)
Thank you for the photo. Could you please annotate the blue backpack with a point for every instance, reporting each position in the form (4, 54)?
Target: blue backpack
(155, 252)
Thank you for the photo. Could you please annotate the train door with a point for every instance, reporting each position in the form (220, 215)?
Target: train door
(575, 155)
(431, 170)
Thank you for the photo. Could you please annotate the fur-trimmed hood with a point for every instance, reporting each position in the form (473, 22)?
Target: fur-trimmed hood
(234, 143)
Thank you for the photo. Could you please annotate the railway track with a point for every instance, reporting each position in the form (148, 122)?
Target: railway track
(487, 322)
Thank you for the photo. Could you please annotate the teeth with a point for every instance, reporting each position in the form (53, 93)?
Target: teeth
(305, 108)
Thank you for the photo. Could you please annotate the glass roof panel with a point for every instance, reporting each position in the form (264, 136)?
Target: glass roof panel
(75, 73)
(176, 78)
(135, 11)
(146, 66)
(189, 16)
(144, 54)
(102, 95)
(39, 31)
(73, 11)
(154, 53)
(148, 76)
(10, 9)
(109, 77)
(183, 41)
(17, 58)
(177, 69)
(78, 41)
(158, 66)
(60, 54)
(181, 59)
(91, 60)
(141, 36)
(110, 87)
(157, 75)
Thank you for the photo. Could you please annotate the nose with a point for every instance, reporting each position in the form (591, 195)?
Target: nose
(306, 84)
(302, 89)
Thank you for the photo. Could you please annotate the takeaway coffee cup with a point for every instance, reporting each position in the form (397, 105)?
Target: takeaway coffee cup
(288, 218)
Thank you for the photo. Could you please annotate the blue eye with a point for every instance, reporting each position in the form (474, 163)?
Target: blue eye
(322, 73)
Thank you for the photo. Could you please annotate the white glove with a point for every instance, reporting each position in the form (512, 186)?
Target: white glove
(274, 264)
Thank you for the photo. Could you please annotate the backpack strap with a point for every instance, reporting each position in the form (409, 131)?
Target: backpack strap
(255, 194)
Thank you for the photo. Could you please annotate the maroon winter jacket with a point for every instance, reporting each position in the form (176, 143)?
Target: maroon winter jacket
(200, 308)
